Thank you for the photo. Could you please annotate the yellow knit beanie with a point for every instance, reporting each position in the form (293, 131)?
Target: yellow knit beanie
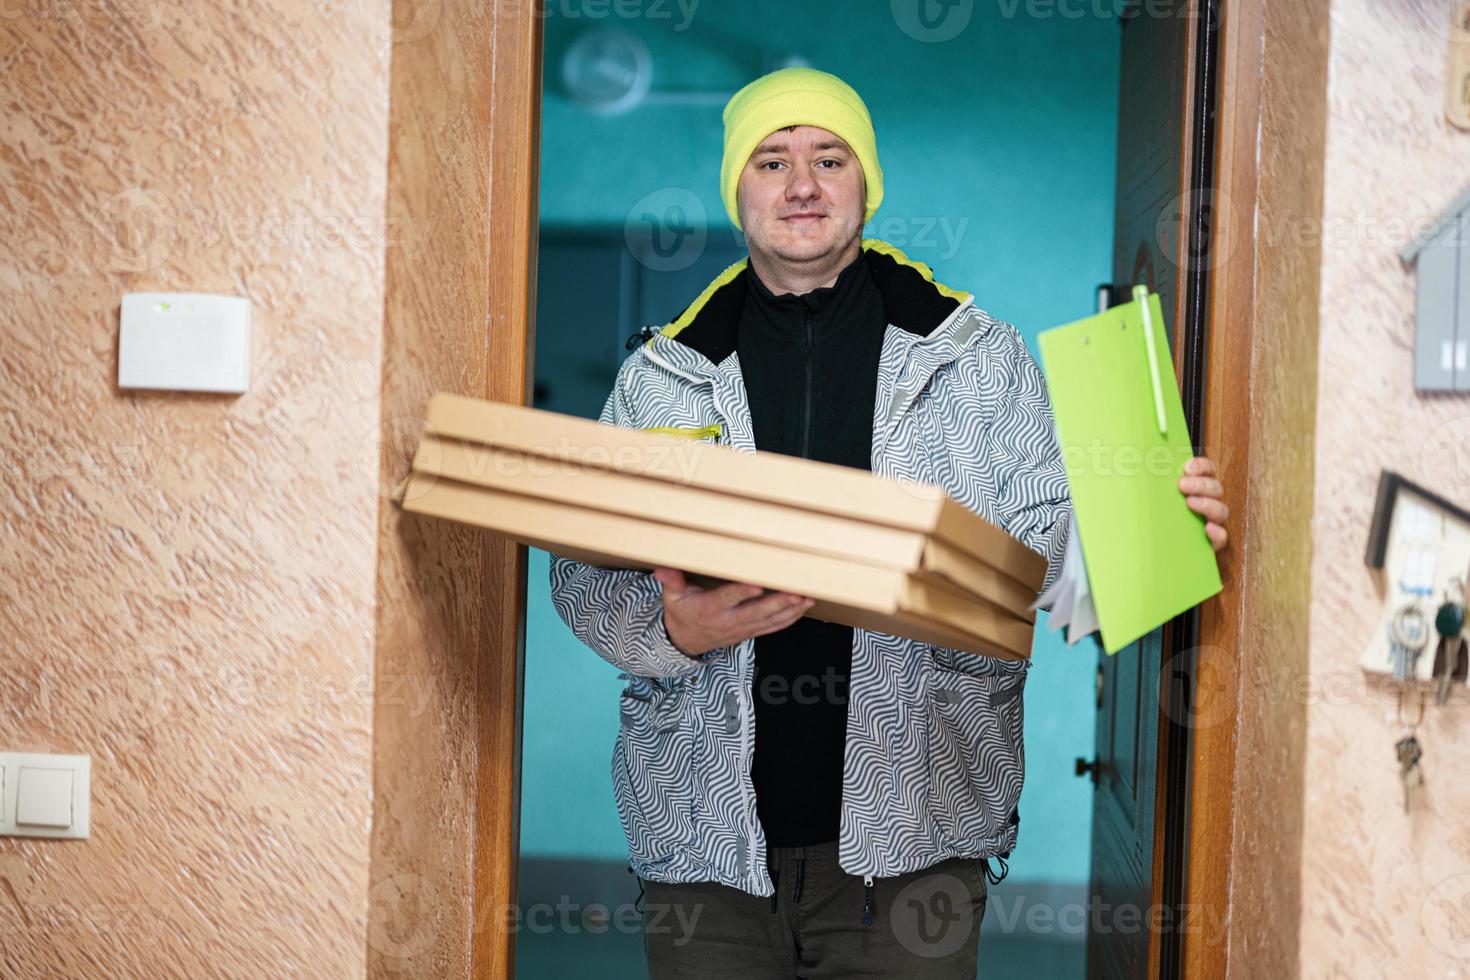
(797, 97)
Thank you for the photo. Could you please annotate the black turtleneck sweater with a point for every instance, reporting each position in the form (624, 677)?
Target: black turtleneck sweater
(810, 364)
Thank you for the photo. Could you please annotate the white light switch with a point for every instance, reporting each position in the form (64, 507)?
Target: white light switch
(43, 798)
(184, 342)
(45, 795)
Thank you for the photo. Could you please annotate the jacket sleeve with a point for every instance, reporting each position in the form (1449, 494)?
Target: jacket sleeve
(619, 612)
(1033, 500)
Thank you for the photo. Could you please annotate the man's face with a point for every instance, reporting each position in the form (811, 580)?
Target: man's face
(801, 195)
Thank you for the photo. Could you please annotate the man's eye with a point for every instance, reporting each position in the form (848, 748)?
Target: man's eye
(770, 164)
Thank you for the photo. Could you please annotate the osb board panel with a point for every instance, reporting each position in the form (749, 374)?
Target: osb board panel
(188, 584)
(1383, 894)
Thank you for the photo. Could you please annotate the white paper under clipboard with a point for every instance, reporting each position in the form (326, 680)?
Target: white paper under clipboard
(1069, 599)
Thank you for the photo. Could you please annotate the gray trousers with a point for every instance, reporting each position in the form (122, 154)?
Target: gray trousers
(922, 924)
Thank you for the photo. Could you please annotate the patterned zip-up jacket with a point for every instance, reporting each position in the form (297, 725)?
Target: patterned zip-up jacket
(934, 759)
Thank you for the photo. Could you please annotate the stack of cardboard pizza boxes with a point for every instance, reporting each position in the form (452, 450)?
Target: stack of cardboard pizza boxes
(891, 556)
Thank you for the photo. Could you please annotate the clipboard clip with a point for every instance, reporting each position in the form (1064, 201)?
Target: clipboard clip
(1140, 295)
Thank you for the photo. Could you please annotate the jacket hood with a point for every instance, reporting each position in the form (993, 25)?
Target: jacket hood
(913, 301)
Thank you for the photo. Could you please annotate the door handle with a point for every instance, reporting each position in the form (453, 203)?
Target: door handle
(1091, 769)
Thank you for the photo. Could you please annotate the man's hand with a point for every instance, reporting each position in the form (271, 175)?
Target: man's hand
(699, 620)
(1203, 493)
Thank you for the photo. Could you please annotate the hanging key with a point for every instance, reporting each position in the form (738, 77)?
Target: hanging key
(1449, 622)
(1447, 658)
(1409, 631)
(1411, 775)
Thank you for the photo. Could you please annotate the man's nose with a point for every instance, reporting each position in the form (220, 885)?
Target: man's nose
(802, 186)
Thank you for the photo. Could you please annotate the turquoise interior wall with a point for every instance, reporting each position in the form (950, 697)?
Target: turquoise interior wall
(999, 149)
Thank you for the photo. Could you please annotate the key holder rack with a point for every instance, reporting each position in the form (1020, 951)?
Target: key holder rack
(1420, 543)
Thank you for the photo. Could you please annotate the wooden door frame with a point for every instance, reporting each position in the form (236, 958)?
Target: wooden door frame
(515, 141)
(1247, 756)
(1259, 409)
(459, 272)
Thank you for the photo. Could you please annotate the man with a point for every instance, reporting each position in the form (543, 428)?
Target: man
(796, 790)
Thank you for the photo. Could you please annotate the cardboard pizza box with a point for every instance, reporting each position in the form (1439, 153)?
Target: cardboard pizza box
(857, 593)
(932, 560)
(772, 478)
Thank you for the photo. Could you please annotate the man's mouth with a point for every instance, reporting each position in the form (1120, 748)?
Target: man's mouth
(803, 218)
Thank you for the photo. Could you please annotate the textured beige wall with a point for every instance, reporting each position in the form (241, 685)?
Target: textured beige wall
(188, 581)
(1383, 894)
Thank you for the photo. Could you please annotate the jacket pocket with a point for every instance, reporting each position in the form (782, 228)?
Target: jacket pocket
(976, 756)
(653, 770)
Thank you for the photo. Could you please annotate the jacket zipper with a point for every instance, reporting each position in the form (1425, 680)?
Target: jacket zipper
(693, 432)
(746, 712)
(747, 715)
(806, 410)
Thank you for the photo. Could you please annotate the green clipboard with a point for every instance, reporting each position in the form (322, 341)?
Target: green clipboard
(1124, 442)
